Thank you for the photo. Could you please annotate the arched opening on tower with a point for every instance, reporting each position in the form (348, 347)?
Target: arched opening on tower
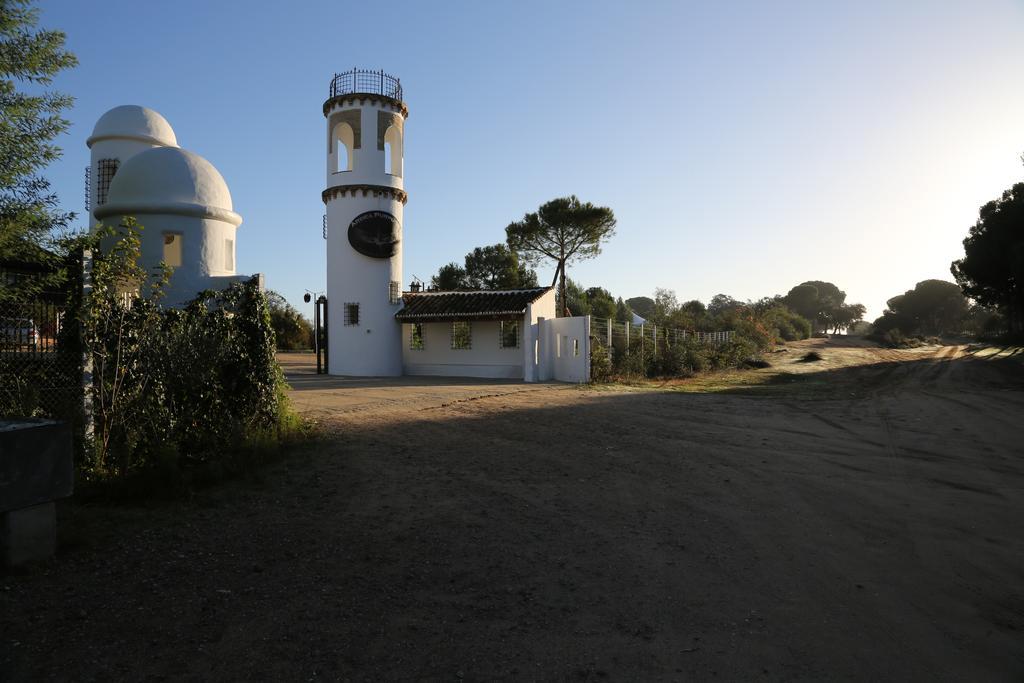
(393, 151)
(344, 143)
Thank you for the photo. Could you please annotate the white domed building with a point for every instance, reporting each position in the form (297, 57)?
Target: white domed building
(178, 197)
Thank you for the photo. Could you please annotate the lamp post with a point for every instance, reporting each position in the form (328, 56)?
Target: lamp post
(311, 295)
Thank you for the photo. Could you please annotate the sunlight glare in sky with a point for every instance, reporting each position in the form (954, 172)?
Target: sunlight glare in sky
(744, 147)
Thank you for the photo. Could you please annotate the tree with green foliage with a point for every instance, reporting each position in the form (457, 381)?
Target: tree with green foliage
(786, 324)
(643, 306)
(564, 230)
(803, 300)
(30, 122)
(602, 303)
(492, 267)
(576, 303)
(846, 316)
(292, 331)
(623, 313)
(721, 304)
(932, 307)
(992, 269)
(594, 301)
(824, 305)
(692, 315)
(449, 278)
(497, 267)
(665, 305)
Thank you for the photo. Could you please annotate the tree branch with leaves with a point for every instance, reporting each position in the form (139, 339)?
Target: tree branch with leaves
(29, 122)
(564, 230)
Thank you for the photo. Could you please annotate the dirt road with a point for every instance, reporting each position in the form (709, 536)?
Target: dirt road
(859, 518)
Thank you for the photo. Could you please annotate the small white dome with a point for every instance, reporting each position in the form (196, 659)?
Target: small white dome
(169, 180)
(130, 121)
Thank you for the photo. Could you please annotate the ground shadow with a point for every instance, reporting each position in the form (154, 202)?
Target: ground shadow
(965, 373)
(619, 535)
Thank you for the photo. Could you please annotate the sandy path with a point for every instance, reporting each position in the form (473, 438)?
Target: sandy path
(556, 533)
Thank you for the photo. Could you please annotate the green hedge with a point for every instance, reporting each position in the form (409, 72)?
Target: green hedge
(176, 390)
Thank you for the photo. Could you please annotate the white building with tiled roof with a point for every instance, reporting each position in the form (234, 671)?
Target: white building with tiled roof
(376, 329)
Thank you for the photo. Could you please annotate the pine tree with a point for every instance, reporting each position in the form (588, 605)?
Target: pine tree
(30, 121)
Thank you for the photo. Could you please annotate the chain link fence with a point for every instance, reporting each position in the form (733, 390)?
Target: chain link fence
(40, 361)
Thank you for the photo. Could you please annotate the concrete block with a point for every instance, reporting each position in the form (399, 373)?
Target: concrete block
(35, 462)
(29, 534)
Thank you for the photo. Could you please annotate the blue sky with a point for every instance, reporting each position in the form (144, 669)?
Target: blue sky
(744, 146)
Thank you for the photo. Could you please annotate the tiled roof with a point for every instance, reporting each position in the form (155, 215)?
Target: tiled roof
(498, 304)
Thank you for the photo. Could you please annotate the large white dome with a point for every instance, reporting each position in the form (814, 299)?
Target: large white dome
(132, 122)
(169, 180)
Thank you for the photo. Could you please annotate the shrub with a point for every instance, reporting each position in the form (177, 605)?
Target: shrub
(732, 354)
(176, 388)
(600, 362)
(895, 339)
(787, 324)
(631, 361)
(291, 329)
(810, 357)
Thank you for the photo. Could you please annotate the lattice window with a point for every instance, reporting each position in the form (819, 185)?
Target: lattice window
(395, 292)
(416, 336)
(105, 170)
(462, 335)
(351, 314)
(509, 334)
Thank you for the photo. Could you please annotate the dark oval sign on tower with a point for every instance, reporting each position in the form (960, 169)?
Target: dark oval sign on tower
(374, 234)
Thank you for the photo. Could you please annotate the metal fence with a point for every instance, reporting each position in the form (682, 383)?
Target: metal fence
(364, 81)
(612, 333)
(40, 363)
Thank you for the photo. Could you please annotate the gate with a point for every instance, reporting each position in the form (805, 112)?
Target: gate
(320, 334)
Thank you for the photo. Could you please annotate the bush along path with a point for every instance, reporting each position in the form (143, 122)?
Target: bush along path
(176, 393)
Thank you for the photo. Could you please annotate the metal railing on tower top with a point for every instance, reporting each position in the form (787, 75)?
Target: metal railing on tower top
(364, 81)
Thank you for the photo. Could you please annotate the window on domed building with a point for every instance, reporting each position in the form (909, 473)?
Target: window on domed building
(105, 170)
(172, 249)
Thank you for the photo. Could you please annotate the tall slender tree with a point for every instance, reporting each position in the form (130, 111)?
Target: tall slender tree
(29, 124)
(564, 230)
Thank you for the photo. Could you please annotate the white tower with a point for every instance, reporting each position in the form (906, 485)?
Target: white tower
(364, 197)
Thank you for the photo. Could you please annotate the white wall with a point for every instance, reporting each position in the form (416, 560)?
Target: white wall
(202, 255)
(111, 148)
(486, 358)
(367, 161)
(535, 368)
(567, 341)
(371, 348)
